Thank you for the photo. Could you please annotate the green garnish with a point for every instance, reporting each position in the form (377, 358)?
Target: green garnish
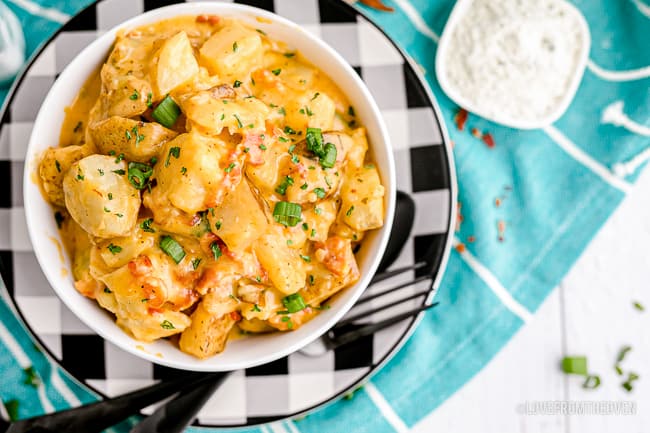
(305, 226)
(289, 55)
(146, 225)
(172, 248)
(282, 188)
(114, 249)
(234, 47)
(314, 138)
(166, 324)
(218, 225)
(311, 280)
(134, 96)
(591, 382)
(167, 112)
(349, 212)
(175, 152)
(229, 168)
(255, 309)
(276, 72)
(149, 101)
(294, 303)
(195, 263)
(320, 192)
(638, 306)
(139, 174)
(121, 172)
(119, 158)
(237, 83)
(305, 258)
(100, 171)
(283, 139)
(289, 130)
(315, 96)
(216, 251)
(287, 213)
(304, 186)
(239, 124)
(575, 365)
(282, 111)
(183, 170)
(351, 111)
(58, 165)
(32, 378)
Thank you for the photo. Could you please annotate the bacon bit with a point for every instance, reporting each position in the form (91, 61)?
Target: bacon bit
(460, 118)
(476, 133)
(377, 4)
(461, 248)
(497, 202)
(488, 140)
(210, 19)
(254, 154)
(501, 229)
(459, 217)
(234, 315)
(471, 239)
(154, 294)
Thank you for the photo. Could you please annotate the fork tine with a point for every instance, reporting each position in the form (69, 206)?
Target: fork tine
(389, 274)
(356, 317)
(393, 289)
(354, 335)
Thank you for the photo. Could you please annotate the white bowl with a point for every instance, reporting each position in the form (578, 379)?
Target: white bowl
(498, 116)
(240, 353)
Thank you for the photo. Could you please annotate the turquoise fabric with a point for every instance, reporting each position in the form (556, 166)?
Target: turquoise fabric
(552, 205)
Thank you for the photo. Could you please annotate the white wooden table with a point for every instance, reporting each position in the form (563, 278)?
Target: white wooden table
(591, 313)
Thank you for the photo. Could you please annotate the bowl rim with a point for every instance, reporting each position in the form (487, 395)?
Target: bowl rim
(388, 178)
(459, 10)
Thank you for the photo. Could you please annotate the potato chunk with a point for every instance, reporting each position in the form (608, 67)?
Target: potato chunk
(362, 197)
(173, 65)
(211, 115)
(138, 141)
(207, 335)
(283, 264)
(239, 220)
(232, 52)
(87, 186)
(55, 163)
(193, 189)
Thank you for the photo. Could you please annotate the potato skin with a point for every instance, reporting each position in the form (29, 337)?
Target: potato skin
(87, 185)
(55, 163)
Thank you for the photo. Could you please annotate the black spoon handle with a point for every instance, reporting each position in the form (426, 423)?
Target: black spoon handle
(96, 417)
(175, 415)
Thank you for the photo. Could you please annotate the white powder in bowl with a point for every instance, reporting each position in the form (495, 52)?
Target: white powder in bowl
(515, 59)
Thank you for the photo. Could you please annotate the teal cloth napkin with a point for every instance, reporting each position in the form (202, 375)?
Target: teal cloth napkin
(555, 186)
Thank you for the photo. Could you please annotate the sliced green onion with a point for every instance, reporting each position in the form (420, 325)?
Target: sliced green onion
(575, 365)
(287, 213)
(167, 112)
(320, 192)
(294, 303)
(172, 248)
(216, 251)
(139, 174)
(591, 382)
(166, 324)
(315, 141)
(329, 156)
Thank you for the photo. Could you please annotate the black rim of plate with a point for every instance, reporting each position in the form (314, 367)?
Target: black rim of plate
(439, 257)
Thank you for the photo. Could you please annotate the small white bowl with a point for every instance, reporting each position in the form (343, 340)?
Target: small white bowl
(240, 353)
(498, 116)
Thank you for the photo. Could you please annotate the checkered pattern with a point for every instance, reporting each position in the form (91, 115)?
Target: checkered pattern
(288, 386)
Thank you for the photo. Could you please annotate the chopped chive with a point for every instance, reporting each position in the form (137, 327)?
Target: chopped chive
(230, 167)
(351, 111)
(575, 365)
(135, 95)
(289, 130)
(304, 186)
(255, 309)
(305, 258)
(287, 213)
(119, 158)
(315, 96)
(311, 280)
(349, 212)
(294, 303)
(276, 72)
(218, 225)
(261, 32)
(320, 192)
(289, 55)
(100, 171)
(289, 242)
(166, 324)
(286, 182)
(622, 353)
(58, 165)
(313, 233)
(121, 172)
(239, 124)
(237, 83)
(282, 111)
(234, 47)
(196, 262)
(305, 226)
(591, 382)
(172, 248)
(638, 306)
(149, 101)
(167, 112)
(318, 210)
(283, 139)
(183, 170)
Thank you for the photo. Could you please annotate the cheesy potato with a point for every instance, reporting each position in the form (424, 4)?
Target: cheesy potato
(208, 179)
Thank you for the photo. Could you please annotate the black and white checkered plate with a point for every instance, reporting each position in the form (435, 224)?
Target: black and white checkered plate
(289, 386)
